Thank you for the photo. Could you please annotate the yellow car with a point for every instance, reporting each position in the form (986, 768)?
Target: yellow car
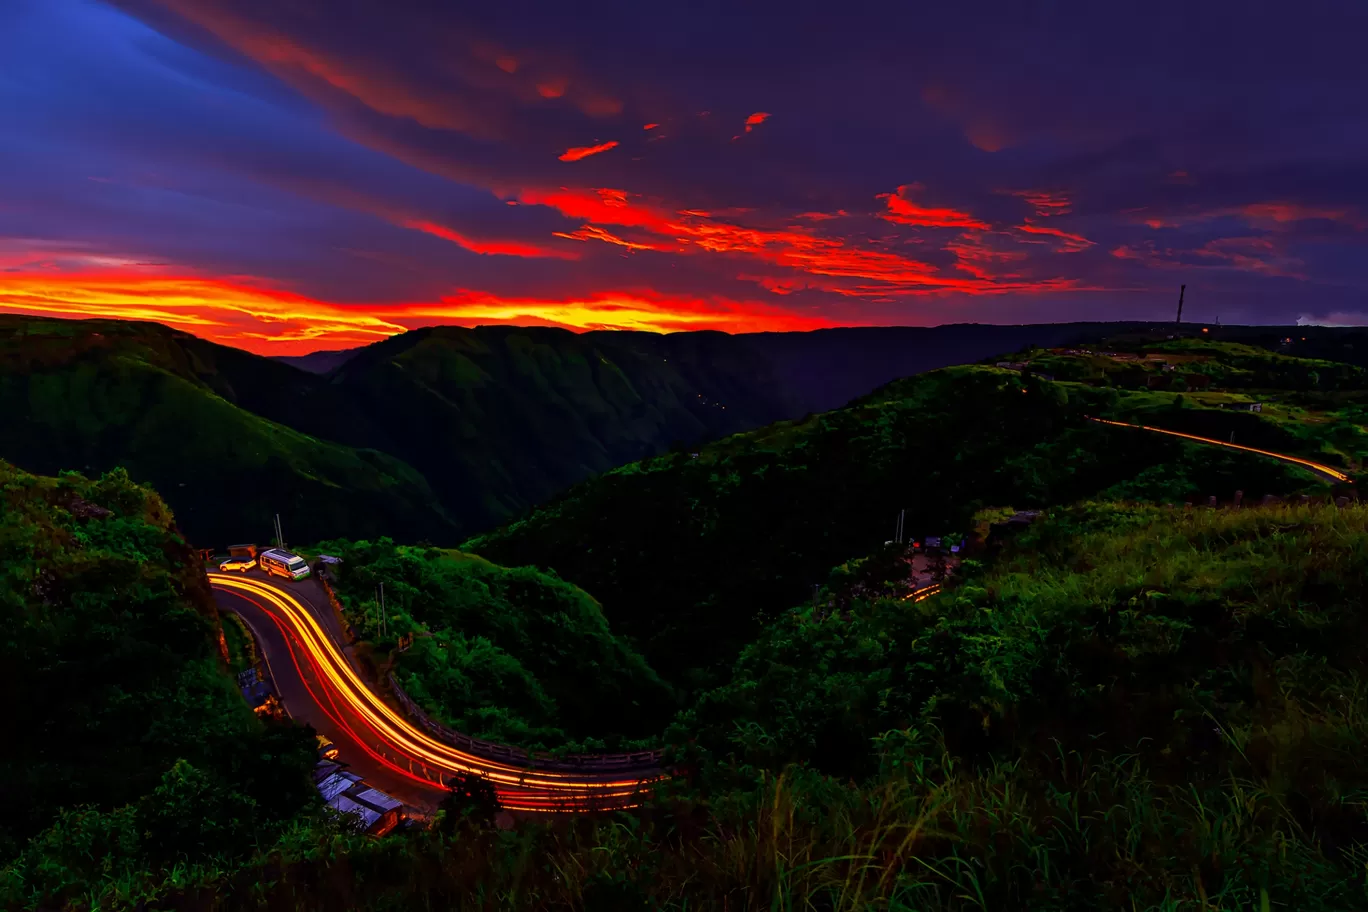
(238, 563)
(326, 748)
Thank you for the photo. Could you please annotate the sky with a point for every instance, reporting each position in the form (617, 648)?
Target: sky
(293, 175)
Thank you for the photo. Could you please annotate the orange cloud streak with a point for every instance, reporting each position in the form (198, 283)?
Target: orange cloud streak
(1072, 243)
(272, 321)
(903, 211)
(756, 120)
(1045, 202)
(489, 248)
(576, 153)
(230, 312)
(856, 271)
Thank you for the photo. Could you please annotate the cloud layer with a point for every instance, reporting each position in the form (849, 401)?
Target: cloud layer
(304, 175)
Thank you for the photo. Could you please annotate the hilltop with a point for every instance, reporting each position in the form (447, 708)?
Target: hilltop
(223, 433)
(433, 435)
(691, 553)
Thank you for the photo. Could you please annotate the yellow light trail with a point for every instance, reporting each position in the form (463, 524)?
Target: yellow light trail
(1333, 473)
(557, 790)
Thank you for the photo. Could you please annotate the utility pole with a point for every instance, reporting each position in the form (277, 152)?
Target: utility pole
(1182, 289)
(280, 535)
(382, 609)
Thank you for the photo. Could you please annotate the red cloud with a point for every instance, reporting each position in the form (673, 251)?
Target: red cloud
(1294, 212)
(1072, 243)
(595, 233)
(650, 126)
(903, 211)
(578, 152)
(492, 248)
(1045, 202)
(756, 120)
(841, 266)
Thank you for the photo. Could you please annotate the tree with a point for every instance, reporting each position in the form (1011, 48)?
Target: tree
(470, 800)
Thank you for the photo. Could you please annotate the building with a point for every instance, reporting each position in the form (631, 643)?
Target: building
(348, 793)
(244, 551)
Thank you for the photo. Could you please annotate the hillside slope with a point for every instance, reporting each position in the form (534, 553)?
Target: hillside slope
(113, 683)
(502, 418)
(93, 396)
(691, 555)
(510, 655)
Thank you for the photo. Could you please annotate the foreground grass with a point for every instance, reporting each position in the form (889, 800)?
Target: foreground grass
(1133, 708)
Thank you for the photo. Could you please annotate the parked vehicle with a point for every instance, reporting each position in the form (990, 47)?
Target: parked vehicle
(277, 562)
(326, 748)
(237, 563)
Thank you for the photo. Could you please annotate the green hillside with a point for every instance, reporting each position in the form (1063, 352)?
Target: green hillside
(93, 396)
(510, 655)
(501, 418)
(126, 741)
(690, 556)
(1307, 406)
(495, 419)
(1127, 707)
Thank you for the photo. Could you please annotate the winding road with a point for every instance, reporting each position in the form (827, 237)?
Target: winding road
(1324, 472)
(318, 683)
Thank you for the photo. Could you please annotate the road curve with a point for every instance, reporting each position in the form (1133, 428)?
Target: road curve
(317, 684)
(1324, 472)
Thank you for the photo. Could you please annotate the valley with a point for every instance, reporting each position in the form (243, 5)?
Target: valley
(1103, 662)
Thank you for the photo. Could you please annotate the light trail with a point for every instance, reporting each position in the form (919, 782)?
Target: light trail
(519, 788)
(923, 593)
(1320, 469)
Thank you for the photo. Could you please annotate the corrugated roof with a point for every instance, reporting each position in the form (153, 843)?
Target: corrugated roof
(336, 784)
(378, 799)
(347, 806)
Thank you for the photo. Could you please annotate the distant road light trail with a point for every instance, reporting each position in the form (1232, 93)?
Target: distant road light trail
(387, 733)
(1325, 471)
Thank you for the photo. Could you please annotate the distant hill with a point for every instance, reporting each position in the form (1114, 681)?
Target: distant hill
(691, 555)
(194, 419)
(320, 362)
(436, 434)
(501, 418)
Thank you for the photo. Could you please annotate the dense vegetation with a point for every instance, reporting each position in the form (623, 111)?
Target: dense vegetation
(1129, 707)
(691, 555)
(511, 655)
(1306, 406)
(435, 434)
(129, 753)
(160, 404)
(1129, 704)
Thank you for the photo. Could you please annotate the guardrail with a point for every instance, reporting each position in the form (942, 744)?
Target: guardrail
(644, 761)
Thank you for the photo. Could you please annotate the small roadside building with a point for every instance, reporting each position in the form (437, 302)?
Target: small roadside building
(348, 793)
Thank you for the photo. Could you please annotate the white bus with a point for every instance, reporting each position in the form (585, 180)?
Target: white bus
(282, 563)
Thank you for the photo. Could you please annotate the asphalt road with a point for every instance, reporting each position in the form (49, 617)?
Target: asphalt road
(1323, 472)
(318, 683)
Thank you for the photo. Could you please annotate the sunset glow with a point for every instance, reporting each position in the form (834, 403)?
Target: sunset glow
(352, 165)
(270, 321)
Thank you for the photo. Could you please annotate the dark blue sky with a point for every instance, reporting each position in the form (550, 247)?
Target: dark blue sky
(316, 173)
